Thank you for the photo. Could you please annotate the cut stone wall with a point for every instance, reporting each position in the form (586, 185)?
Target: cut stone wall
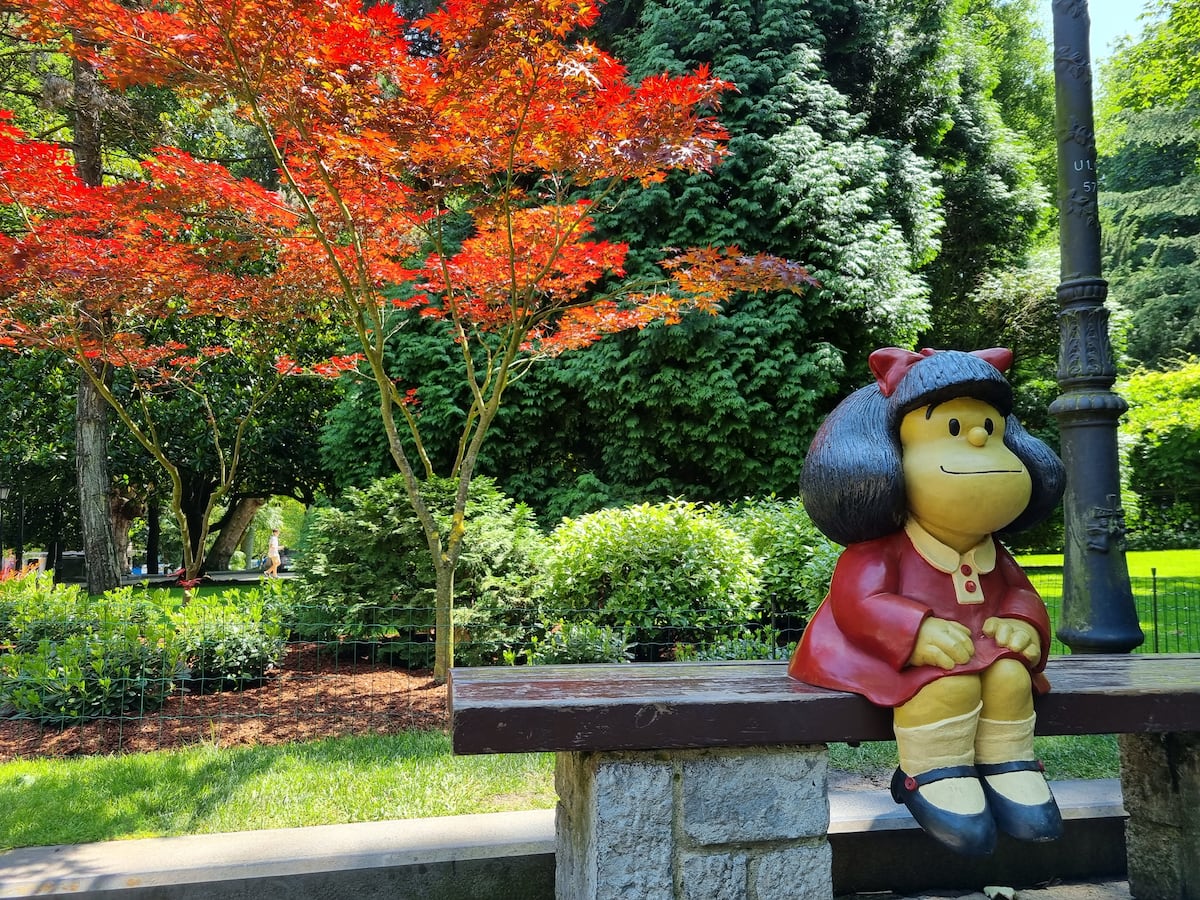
(743, 824)
(1160, 779)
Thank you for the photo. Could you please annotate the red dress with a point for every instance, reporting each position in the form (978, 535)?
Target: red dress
(863, 633)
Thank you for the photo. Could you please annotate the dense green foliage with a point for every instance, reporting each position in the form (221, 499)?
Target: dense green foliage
(73, 658)
(1161, 439)
(67, 657)
(1150, 180)
(230, 640)
(1152, 207)
(578, 642)
(644, 579)
(37, 447)
(797, 560)
(368, 578)
(893, 148)
(667, 574)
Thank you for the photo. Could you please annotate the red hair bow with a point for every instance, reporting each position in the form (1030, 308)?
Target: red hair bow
(891, 364)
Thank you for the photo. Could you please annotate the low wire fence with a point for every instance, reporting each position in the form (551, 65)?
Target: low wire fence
(1168, 610)
(254, 663)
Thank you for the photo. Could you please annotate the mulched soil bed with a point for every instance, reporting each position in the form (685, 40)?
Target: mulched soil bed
(312, 695)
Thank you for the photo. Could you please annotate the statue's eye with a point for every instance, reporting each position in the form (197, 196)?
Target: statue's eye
(955, 427)
(989, 426)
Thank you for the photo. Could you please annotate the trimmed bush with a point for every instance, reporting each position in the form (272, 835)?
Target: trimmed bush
(368, 576)
(579, 642)
(663, 574)
(77, 657)
(797, 560)
(229, 640)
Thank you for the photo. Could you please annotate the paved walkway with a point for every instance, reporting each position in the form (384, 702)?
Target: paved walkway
(1112, 890)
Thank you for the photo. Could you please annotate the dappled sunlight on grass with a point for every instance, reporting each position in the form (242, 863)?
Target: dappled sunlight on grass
(205, 789)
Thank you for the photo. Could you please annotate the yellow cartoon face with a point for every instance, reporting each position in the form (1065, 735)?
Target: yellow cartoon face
(961, 481)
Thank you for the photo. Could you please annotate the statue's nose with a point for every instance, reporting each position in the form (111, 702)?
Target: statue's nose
(978, 436)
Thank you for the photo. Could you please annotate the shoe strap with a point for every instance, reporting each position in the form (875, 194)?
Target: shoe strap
(941, 774)
(1017, 765)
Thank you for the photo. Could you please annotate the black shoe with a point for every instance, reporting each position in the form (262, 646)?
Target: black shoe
(1025, 822)
(969, 834)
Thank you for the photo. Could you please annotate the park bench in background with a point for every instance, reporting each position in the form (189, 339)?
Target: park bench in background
(687, 779)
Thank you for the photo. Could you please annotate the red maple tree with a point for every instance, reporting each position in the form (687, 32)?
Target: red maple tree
(91, 271)
(499, 114)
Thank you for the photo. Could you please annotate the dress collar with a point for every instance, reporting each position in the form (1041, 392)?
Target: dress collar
(981, 557)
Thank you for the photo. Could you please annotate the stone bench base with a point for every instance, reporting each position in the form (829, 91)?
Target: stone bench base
(696, 823)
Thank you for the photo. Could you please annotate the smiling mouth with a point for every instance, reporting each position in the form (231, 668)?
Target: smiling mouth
(981, 471)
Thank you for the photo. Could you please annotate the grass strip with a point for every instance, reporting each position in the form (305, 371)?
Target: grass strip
(208, 789)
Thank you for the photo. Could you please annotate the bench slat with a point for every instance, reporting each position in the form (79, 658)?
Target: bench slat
(668, 706)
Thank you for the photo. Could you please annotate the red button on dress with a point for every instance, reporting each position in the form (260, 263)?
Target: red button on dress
(970, 586)
(966, 570)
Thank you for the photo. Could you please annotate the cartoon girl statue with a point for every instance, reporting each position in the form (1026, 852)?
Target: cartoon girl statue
(926, 612)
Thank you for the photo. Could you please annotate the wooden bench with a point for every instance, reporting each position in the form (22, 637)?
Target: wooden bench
(681, 780)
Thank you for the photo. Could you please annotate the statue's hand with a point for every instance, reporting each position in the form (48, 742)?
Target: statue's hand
(942, 643)
(1016, 635)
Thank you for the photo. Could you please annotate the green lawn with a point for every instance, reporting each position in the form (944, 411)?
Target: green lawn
(206, 789)
(1166, 589)
(1168, 563)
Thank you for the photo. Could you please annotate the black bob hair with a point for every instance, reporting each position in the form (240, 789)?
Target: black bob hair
(852, 483)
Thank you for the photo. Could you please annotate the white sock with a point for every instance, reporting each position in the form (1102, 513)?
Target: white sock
(1000, 741)
(948, 742)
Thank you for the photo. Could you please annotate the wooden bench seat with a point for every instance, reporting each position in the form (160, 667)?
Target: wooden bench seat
(709, 779)
(730, 704)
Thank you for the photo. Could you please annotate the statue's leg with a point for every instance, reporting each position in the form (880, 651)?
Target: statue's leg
(935, 734)
(1012, 777)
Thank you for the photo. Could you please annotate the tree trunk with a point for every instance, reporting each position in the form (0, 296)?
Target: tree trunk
(124, 510)
(91, 476)
(91, 411)
(232, 530)
(443, 622)
(152, 535)
(197, 491)
(87, 101)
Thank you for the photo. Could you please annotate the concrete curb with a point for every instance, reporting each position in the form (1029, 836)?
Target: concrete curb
(223, 865)
(876, 846)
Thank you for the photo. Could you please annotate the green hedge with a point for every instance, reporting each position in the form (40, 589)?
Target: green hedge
(68, 657)
(662, 574)
(369, 580)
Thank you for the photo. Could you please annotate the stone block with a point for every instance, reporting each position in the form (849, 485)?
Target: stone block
(732, 796)
(1160, 782)
(792, 872)
(715, 876)
(614, 826)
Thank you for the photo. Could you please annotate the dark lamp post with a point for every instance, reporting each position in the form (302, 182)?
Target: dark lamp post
(4, 492)
(1098, 612)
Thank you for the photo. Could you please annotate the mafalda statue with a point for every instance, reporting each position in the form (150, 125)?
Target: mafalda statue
(927, 613)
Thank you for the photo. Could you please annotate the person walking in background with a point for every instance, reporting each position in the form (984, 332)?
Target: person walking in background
(273, 554)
